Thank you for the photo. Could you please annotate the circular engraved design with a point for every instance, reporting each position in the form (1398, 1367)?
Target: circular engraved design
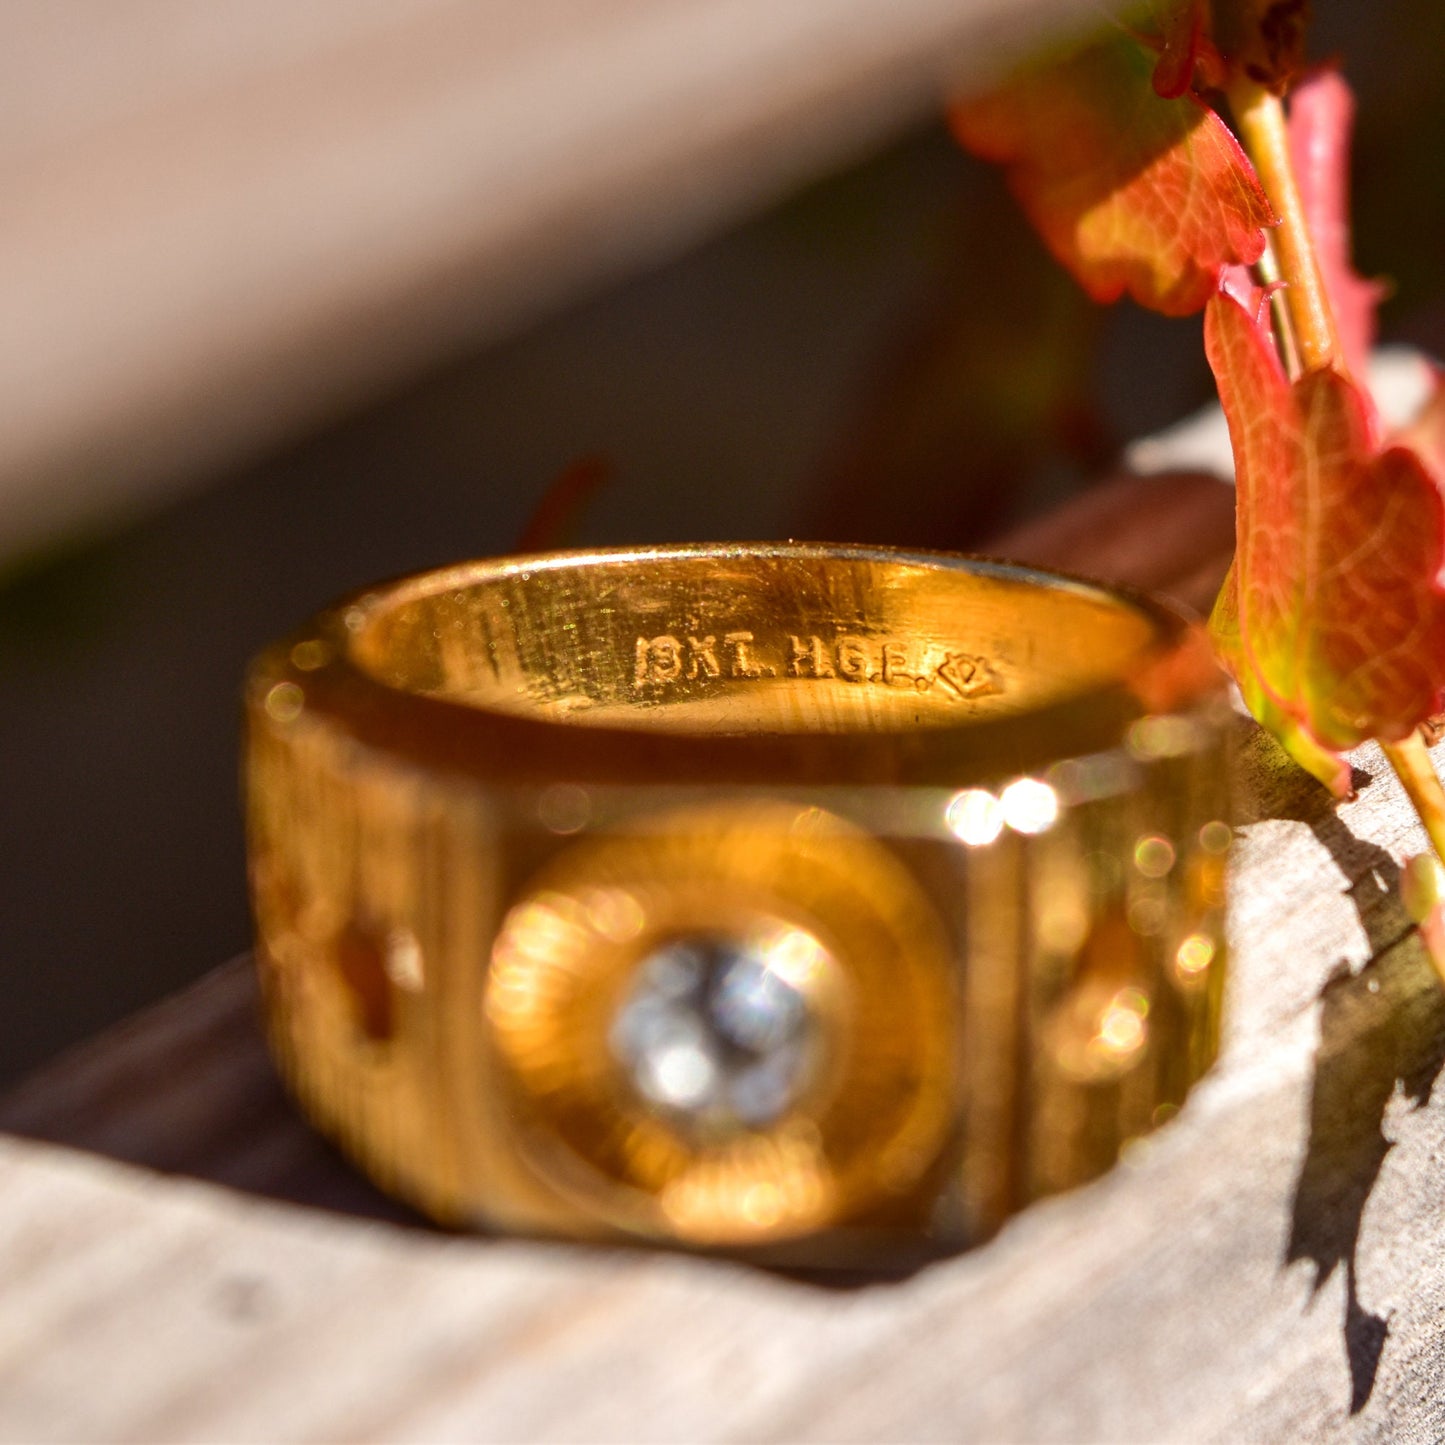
(729, 1025)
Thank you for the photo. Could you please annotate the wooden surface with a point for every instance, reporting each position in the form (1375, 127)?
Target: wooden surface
(183, 1261)
(222, 222)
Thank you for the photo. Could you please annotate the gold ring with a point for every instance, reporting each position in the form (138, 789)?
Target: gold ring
(822, 904)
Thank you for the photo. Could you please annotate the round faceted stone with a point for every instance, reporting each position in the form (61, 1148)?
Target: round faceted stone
(717, 1033)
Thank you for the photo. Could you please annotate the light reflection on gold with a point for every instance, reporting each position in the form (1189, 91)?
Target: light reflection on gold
(564, 808)
(1121, 1027)
(1165, 735)
(1097, 1037)
(975, 817)
(810, 820)
(1099, 1029)
(1146, 914)
(1030, 806)
(310, 654)
(402, 960)
(1063, 922)
(1154, 855)
(1134, 1150)
(615, 913)
(1204, 884)
(796, 957)
(761, 1183)
(1215, 837)
(762, 1205)
(533, 974)
(539, 928)
(284, 702)
(1193, 957)
(1100, 775)
(1106, 872)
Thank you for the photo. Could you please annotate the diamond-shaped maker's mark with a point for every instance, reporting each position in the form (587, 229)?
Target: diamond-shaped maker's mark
(968, 677)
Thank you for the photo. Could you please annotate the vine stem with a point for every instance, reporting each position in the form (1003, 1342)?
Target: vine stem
(1259, 113)
(1421, 891)
(1411, 762)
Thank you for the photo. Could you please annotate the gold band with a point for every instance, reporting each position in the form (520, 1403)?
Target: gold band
(821, 903)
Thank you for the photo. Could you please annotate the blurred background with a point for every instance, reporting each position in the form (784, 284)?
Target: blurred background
(299, 294)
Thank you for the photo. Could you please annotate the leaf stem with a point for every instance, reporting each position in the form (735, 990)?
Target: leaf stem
(1259, 113)
(1411, 762)
(1267, 272)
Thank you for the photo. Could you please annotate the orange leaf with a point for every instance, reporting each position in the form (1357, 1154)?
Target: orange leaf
(1131, 191)
(1338, 586)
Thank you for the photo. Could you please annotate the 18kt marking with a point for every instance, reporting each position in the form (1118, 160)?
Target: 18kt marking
(851, 657)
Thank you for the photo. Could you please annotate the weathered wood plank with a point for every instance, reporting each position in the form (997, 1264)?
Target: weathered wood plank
(1268, 1267)
(224, 221)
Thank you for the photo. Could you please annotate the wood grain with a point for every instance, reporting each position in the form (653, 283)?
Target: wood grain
(222, 222)
(183, 1261)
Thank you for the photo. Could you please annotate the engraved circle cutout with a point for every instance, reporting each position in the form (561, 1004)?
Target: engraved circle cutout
(728, 1025)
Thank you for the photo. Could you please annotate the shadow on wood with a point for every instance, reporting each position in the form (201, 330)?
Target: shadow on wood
(1379, 1038)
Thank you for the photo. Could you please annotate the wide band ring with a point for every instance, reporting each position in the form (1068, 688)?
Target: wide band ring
(823, 904)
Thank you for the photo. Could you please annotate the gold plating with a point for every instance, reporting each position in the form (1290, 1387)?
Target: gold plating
(971, 815)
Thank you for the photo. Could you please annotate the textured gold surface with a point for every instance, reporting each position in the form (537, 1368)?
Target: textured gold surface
(480, 799)
(873, 1122)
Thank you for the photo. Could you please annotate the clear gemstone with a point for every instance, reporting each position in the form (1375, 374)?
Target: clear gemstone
(716, 1032)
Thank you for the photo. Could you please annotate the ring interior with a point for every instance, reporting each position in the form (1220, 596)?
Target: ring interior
(730, 641)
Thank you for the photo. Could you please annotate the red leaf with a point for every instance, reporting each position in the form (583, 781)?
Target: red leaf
(1239, 282)
(1321, 115)
(1187, 51)
(1130, 191)
(1341, 607)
